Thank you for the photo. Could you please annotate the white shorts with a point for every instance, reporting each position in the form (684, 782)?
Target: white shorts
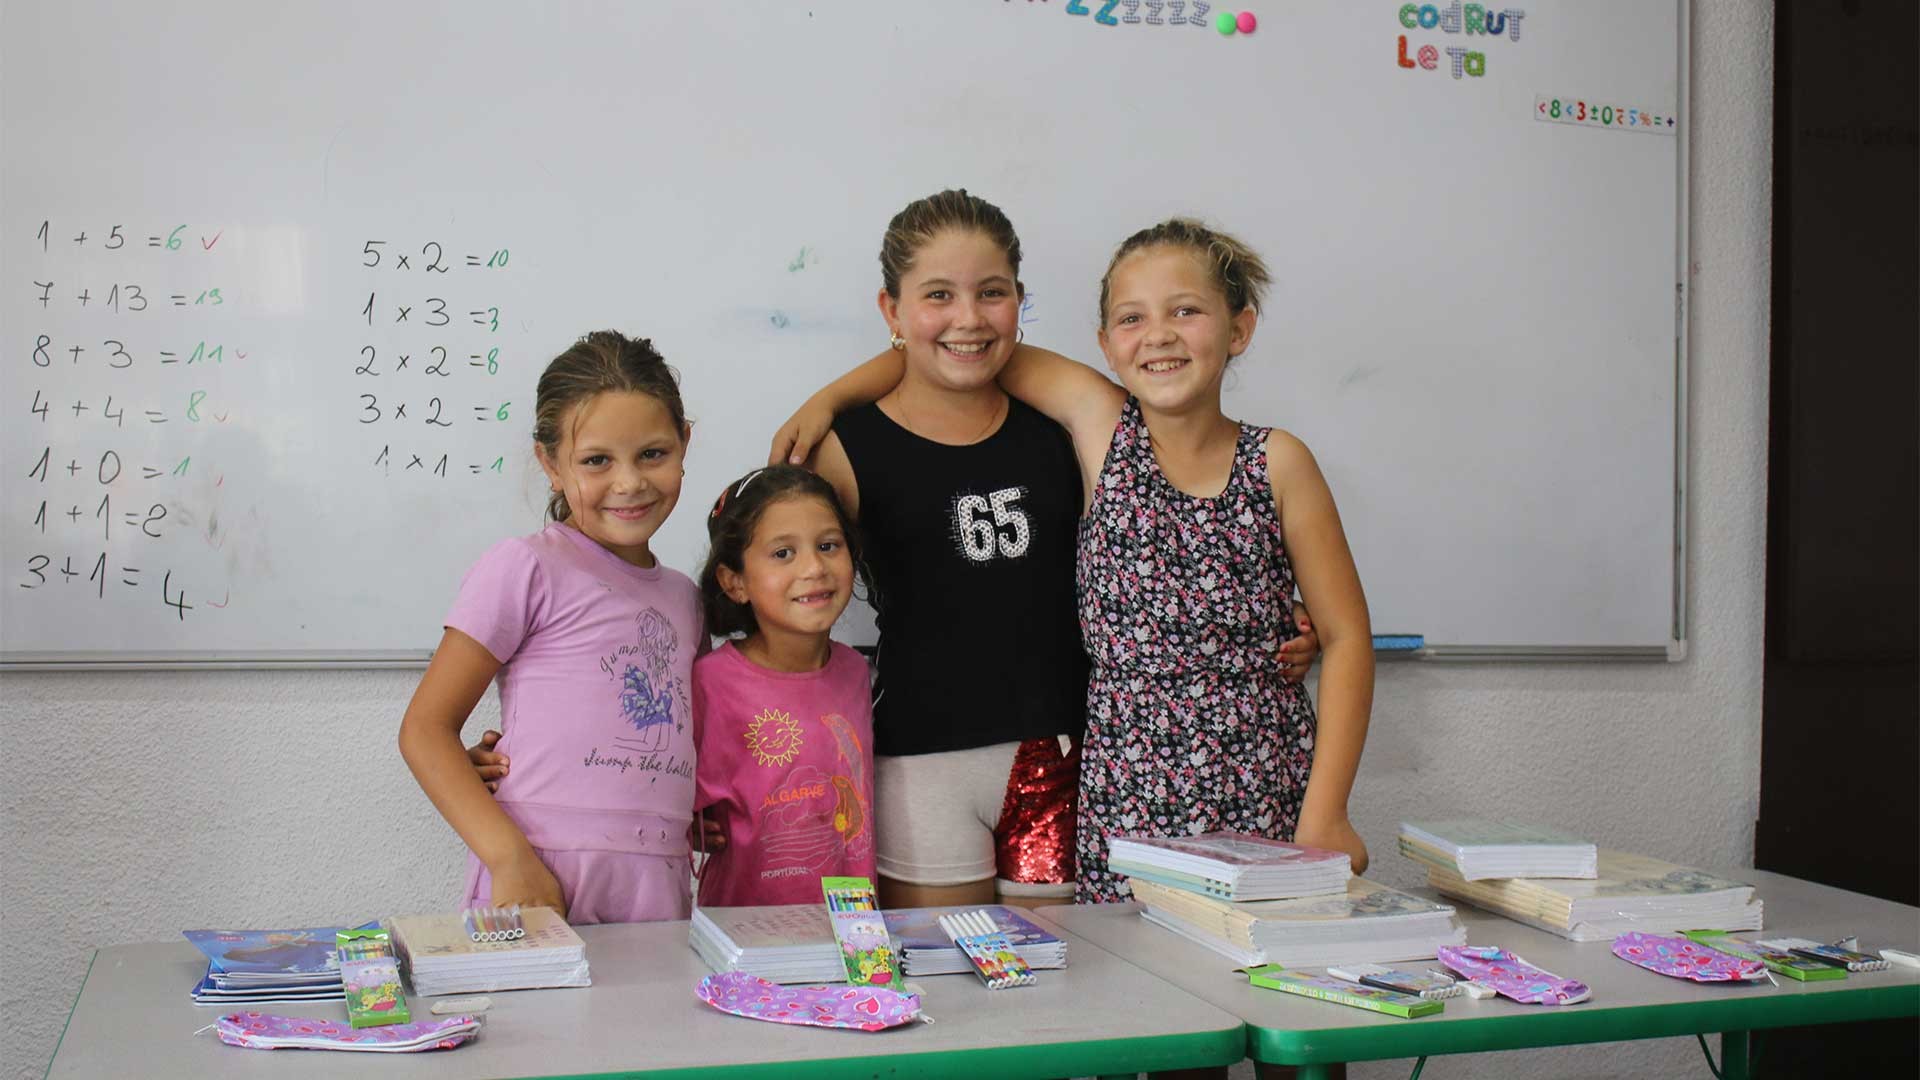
(962, 816)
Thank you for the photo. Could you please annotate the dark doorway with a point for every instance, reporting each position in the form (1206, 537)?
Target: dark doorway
(1839, 803)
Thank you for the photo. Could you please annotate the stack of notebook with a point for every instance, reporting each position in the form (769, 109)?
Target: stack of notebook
(925, 949)
(247, 967)
(791, 943)
(442, 957)
(1476, 850)
(1632, 892)
(1232, 866)
(1367, 923)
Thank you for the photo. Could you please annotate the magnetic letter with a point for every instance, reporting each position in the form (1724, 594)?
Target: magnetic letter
(1429, 57)
(1404, 62)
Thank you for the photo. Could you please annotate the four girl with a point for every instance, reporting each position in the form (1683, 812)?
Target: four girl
(977, 509)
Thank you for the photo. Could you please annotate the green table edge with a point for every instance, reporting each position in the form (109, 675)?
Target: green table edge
(1094, 1057)
(71, 1009)
(1572, 1024)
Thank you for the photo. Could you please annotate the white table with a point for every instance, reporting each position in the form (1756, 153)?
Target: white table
(1101, 1015)
(1628, 1002)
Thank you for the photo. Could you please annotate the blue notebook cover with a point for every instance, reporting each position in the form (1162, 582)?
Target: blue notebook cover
(308, 951)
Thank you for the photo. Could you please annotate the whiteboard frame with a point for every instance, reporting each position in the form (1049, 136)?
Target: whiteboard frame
(1674, 651)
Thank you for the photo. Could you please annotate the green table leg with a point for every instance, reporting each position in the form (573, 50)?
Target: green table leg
(1733, 1055)
(1313, 1072)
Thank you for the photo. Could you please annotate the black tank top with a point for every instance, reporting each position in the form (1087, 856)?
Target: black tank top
(972, 551)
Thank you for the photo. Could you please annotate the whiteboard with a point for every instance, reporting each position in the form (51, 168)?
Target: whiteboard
(313, 257)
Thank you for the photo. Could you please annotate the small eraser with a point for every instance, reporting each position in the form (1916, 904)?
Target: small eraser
(466, 1006)
(1476, 991)
(1904, 959)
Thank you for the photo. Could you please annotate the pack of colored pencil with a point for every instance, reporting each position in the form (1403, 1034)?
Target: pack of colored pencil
(370, 978)
(988, 948)
(860, 928)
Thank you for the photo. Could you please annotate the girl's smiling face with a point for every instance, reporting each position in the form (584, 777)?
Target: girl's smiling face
(796, 573)
(958, 309)
(1169, 332)
(620, 465)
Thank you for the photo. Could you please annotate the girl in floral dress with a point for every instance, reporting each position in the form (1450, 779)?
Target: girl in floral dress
(1198, 528)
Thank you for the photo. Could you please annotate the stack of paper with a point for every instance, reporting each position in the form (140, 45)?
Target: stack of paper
(1368, 923)
(790, 943)
(443, 958)
(925, 949)
(1476, 850)
(1232, 866)
(1633, 892)
(247, 967)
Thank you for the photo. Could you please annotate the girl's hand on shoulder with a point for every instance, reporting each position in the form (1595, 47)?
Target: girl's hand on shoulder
(526, 881)
(1299, 652)
(491, 765)
(1334, 834)
(794, 443)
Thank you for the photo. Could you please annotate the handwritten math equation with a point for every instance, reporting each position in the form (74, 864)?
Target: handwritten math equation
(106, 514)
(432, 356)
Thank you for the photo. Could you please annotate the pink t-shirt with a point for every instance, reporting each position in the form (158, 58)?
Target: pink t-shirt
(596, 690)
(786, 761)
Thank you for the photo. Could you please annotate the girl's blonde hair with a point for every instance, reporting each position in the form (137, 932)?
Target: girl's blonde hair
(1235, 269)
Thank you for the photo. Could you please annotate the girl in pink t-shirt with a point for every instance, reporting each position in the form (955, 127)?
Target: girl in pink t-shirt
(592, 641)
(783, 714)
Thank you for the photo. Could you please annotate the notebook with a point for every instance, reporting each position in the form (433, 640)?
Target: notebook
(1367, 923)
(1232, 866)
(442, 957)
(925, 949)
(786, 943)
(247, 967)
(1632, 892)
(1477, 850)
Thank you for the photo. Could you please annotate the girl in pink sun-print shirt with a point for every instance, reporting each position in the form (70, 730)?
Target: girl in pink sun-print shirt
(783, 714)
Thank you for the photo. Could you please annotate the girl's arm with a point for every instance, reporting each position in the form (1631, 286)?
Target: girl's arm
(1322, 563)
(1068, 392)
(430, 742)
(801, 434)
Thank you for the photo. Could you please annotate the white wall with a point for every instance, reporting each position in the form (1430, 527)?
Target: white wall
(136, 805)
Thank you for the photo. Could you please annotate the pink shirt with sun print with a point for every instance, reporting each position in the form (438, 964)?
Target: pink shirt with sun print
(595, 700)
(786, 763)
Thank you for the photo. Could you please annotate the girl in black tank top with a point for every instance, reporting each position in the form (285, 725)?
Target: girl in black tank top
(972, 553)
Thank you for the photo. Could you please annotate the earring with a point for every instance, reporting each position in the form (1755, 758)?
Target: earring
(1019, 334)
(897, 342)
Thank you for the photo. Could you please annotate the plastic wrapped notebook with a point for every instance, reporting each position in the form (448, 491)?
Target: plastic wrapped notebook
(443, 958)
(256, 966)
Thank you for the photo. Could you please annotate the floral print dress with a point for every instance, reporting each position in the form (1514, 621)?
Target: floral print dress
(1184, 603)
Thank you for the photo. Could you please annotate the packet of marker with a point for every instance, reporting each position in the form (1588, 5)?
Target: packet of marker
(1431, 987)
(486, 924)
(988, 948)
(1827, 954)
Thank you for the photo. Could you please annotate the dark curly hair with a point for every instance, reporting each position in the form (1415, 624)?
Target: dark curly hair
(736, 513)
